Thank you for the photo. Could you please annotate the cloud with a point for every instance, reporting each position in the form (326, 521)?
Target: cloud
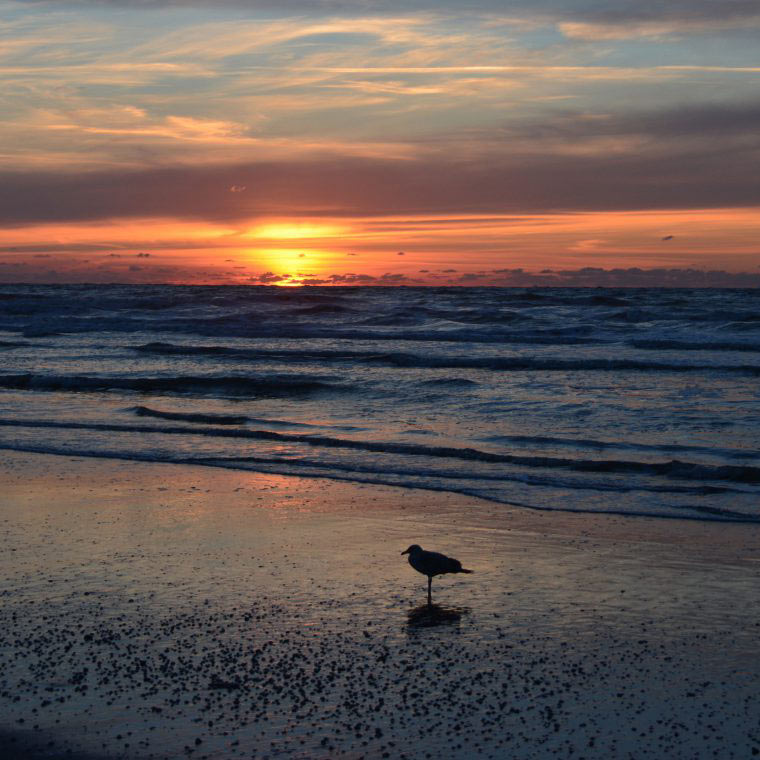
(703, 120)
(660, 28)
(352, 279)
(696, 156)
(396, 278)
(585, 8)
(590, 244)
(133, 122)
(68, 270)
(726, 13)
(242, 82)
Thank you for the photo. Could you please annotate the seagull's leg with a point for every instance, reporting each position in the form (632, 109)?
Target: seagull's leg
(430, 586)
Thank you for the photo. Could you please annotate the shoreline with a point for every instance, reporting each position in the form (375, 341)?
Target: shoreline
(232, 587)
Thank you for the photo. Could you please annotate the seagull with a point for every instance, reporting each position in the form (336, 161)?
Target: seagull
(432, 563)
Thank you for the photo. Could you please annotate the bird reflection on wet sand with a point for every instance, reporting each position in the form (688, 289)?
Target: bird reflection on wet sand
(430, 615)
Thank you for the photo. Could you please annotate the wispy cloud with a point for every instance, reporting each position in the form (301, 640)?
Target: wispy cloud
(660, 28)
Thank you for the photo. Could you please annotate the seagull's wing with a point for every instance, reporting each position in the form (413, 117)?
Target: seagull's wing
(454, 565)
(440, 563)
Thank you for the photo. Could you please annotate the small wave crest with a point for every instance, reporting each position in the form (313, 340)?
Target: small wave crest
(202, 419)
(171, 349)
(451, 382)
(685, 345)
(274, 386)
(322, 309)
(595, 443)
(421, 361)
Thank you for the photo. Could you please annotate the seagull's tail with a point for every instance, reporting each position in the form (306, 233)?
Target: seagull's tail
(462, 570)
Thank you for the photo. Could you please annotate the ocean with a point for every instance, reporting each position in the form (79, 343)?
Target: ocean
(625, 401)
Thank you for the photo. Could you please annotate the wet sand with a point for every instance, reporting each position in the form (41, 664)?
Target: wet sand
(163, 611)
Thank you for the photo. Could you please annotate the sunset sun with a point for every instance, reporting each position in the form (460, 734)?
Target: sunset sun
(291, 265)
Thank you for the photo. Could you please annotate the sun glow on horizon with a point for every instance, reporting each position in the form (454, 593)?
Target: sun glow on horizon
(291, 265)
(391, 249)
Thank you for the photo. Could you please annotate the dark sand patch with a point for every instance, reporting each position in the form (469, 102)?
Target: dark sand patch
(35, 745)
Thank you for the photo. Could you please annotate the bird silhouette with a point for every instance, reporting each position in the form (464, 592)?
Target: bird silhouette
(432, 563)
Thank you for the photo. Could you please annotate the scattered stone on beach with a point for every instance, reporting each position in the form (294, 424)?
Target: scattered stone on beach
(249, 676)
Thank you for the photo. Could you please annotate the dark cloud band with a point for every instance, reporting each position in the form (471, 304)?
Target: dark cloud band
(590, 11)
(364, 187)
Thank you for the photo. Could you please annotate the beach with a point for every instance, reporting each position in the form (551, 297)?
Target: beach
(162, 610)
(301, 301)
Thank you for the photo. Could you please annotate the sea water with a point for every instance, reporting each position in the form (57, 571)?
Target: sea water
(626, 401)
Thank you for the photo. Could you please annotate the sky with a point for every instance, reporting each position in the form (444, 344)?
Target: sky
(364, 142)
